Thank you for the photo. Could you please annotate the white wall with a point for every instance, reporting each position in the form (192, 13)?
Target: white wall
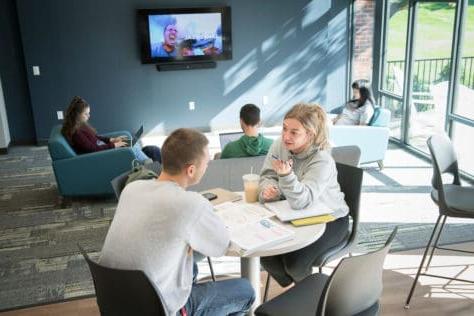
(4, 131)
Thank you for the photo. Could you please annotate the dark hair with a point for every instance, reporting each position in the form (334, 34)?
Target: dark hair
(72, 120)
(183, 147)
(365, 92)
(250, 114)
(360, 83)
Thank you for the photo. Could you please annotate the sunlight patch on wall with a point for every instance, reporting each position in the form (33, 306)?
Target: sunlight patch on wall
(240, 71)
(283, 86)
(314, 11)
(270, 47)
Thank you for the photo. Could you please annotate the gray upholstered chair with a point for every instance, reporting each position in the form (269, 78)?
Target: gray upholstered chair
(354, 288)
(227, 173)
(453, 200)
(347, 155)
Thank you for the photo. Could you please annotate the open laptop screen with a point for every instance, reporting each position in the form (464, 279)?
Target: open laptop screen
(137, 135)
(226, 138)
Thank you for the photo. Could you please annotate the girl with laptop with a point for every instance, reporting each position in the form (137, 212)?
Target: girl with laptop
(84, 139)
(299, 168)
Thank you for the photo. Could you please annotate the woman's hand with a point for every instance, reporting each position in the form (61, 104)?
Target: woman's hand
(120, 144)
(118, 139)
(282, 168)
(270, 193)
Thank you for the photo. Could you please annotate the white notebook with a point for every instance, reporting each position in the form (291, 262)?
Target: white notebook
(285, 213)
(250, 228)
(259, 235)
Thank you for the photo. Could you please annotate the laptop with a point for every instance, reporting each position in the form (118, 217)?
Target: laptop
(136, 137)
(226, 138)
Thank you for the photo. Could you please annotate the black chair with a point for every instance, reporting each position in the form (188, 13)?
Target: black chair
(350, 181)
(354, 288)
(118, 184)
(453, 200)
(124, 292)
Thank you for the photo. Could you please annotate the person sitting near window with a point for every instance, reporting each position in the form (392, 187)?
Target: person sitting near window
(252, 143)
(360, 109)
(84, 139)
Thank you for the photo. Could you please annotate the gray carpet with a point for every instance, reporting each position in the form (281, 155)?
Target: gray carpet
(38, 234)
(39, 260)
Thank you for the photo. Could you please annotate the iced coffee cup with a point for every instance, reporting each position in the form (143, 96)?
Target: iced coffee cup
(251, 187)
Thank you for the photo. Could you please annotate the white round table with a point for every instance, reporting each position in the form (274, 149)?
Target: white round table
(250, 264)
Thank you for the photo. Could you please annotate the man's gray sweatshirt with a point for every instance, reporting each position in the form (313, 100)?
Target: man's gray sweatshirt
(156, 225)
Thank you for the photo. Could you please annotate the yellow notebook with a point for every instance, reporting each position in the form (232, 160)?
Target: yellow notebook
(313, 220)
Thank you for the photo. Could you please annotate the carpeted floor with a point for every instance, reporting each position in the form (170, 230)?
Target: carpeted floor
(39, 260)
(38, 236)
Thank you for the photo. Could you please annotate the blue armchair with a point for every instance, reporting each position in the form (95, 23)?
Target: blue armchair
(86, 174)
(372, 139)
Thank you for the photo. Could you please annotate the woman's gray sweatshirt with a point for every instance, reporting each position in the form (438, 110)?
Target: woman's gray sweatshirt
(313, 178)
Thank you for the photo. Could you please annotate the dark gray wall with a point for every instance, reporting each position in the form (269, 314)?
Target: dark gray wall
(13, 74)
(290, 51)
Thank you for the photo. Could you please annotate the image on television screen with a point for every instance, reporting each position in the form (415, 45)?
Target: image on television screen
(185, 35)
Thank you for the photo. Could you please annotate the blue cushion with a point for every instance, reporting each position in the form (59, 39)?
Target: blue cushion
(381, 117)
(58, 146)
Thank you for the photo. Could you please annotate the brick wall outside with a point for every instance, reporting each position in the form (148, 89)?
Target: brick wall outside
(364, 16)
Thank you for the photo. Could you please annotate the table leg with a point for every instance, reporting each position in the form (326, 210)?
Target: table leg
(250, 269)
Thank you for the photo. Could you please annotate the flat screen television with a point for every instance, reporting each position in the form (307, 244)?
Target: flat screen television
(185, 34)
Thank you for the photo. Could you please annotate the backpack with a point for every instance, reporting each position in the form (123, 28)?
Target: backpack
(140, 172)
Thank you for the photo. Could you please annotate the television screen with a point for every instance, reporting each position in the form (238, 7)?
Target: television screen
(195, 34)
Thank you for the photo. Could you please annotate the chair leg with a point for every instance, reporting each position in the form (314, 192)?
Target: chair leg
(407, 303)
(380, 163)
(211, 268)
(436, 243)
(267, 287)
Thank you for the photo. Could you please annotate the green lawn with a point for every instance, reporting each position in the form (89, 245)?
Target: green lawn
(434, 32)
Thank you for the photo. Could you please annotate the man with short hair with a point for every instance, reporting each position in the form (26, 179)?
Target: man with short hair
(158, 224)
(252, 143)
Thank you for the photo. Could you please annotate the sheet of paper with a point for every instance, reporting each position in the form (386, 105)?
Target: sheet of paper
(236, 215)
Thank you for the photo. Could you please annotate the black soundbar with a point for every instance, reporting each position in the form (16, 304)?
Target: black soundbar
(186, 66)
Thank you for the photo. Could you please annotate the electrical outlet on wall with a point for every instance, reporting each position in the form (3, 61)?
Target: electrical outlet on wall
(192, 105)
(36, 70)
(60, 115)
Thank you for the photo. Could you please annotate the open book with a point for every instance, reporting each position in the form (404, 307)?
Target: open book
(250, 227)
(285, 213)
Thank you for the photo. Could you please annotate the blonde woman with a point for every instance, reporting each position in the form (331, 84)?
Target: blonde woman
(299, 168)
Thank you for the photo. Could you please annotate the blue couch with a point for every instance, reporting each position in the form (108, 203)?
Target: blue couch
(372, 139)
(87, 174)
